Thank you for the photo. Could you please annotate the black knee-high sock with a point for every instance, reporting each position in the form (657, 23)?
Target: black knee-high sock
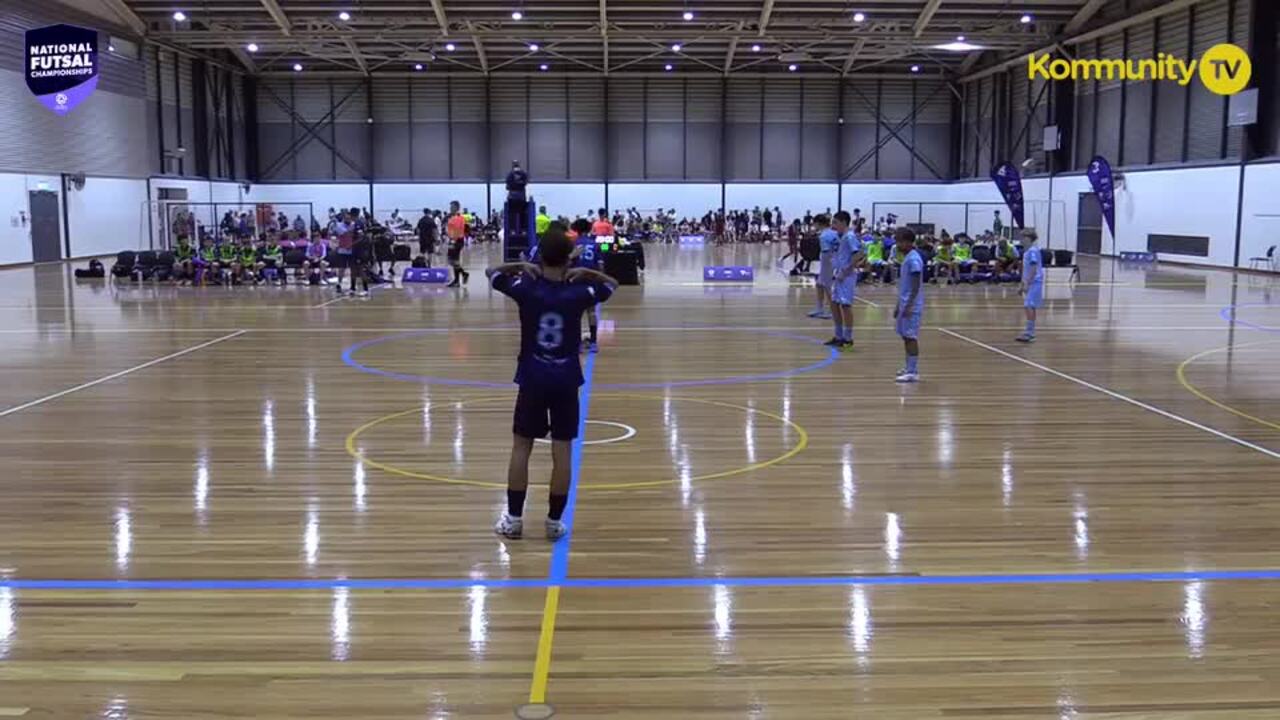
(558, 503)
(515, 502)
(594, 330)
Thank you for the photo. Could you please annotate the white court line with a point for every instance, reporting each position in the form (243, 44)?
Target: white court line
(1117, 396)
(861, 299)
(327, 303)
(122, 373)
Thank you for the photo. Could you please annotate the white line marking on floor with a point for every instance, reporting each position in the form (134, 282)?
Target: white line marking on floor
(327, 303)
(1118, 396)
(122, 373)
(861, 299)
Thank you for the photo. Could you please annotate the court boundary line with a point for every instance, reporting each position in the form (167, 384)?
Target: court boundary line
(122, 373)
(1117, 396)
(1181, 374)
(302, 584)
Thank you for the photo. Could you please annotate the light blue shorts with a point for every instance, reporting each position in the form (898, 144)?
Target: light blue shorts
(908, 325)
(1035, 295)
(843, 290)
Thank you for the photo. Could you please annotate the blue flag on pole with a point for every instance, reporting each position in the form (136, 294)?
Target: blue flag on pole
(1007, 179)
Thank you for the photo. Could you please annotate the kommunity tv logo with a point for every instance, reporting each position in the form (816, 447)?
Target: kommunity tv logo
(1224, 69)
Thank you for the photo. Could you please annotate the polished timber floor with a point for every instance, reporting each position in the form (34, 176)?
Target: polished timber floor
(267, 503)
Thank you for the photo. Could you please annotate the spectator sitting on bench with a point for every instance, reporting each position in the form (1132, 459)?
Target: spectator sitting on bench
(946, 263)
(184, 260)
(1006, 257)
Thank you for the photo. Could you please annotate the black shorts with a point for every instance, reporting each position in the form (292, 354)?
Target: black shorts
(340, 260)
(541, 408)
(455, 251)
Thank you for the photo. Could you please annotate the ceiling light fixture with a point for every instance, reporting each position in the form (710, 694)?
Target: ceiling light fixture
(533, 47)
(959, 38)
(344, 16)
(297, 67)
(958, 46)
(180, 16)
(859, 17)
(1025, 19)
(755, 48)
(517, 15)
(450, 47)
(544, 67)
(793, 68)
(915, 68)
(668, 67)
(688, 15)
(251, 47)
(675, 47)
(417, 66)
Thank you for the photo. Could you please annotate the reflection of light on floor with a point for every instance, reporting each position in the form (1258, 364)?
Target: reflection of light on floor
(360, 490)
(311, 535)
(860, 626)
(201, 491)
(269, 433)
(340, 624)
(479, 625)
(117, 709)
(750, 428)
(946, 437)
(1082, 534)
(699, 536)
(1006, 477)
(313, 422)
(723, 616)
(1066, 706)
(124, 537)
(892, 539)
(848, 486)
(8, 621)
(1194, 619)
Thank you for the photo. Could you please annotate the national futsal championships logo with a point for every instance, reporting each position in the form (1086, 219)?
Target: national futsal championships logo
(62, 65)
(1224, 69)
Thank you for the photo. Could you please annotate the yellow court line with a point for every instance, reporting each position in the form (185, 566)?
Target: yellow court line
(799, 447)
(542, 666)
(1182, 379)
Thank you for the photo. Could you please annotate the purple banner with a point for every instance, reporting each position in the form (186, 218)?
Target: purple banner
(1009, 182)
(62, 65)
(1104, 187)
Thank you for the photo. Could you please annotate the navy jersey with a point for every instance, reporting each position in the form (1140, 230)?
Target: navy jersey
(589, 253)
(550, 326)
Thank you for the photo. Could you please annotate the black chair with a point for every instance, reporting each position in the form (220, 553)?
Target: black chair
(163, 269)
(145, 266)
(125, 261)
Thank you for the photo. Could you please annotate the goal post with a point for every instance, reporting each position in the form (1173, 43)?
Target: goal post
(171, 219)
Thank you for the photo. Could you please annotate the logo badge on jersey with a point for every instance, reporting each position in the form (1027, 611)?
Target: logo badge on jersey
(62, 65)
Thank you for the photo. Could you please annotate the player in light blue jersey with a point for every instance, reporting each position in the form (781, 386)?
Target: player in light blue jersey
(1032, 283)
(844, 280)
(910, 303)
(828, 241)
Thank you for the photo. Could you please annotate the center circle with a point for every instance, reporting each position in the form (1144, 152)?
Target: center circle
(628, 432)
(830, 356)
(802, 442)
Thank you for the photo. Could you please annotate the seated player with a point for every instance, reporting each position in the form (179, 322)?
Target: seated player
(316, 266)
(184, 261)
(229, 259)
(944, 261)
(964, 256)
(207, 260)
(874, 248)
(587, 255)
(1006, 258)
(271, 257)
(249, 270)
(551, 298)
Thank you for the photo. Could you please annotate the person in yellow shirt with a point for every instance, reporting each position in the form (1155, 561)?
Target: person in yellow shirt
(542, 222)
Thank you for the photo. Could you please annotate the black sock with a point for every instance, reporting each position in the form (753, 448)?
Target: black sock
(515, 502)
(557, 506)
(594, 329)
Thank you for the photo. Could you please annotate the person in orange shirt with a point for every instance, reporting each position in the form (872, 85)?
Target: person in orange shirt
(602, 227)
(457, 231)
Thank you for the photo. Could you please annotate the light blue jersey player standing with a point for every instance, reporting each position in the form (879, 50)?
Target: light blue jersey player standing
(1032, 283)
(910, 304)
(844, 280)
(828, 241)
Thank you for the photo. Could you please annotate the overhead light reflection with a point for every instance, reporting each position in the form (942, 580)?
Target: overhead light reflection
(340, 624)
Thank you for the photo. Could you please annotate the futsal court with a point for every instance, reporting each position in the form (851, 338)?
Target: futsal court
(275, 503)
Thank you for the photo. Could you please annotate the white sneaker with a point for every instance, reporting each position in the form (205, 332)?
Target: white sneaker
(907, 377)
(509, 527)
(363, 294)
(1025, 338)
(555, 529)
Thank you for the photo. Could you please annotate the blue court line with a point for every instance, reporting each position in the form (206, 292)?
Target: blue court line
(559, 569)
(348, 358)
(652, 582)
(1225, 314)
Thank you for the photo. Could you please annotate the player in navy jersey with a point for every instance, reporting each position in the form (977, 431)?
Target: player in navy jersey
(586, 254)
(910, 304)
(552, 298)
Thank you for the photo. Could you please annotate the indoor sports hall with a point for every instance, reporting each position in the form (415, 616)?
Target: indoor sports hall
(898, 359)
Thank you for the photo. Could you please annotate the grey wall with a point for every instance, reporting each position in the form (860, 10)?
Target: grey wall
(657, 129)
(106, 135)
(1133, 124)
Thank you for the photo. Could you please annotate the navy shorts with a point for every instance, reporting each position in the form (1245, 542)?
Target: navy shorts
(543, 408)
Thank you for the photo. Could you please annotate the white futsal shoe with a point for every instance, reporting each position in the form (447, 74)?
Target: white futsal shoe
(555, 529)
(907, 377)
(509, 527)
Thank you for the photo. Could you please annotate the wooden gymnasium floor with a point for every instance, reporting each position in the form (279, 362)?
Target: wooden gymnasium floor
(262, 504)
